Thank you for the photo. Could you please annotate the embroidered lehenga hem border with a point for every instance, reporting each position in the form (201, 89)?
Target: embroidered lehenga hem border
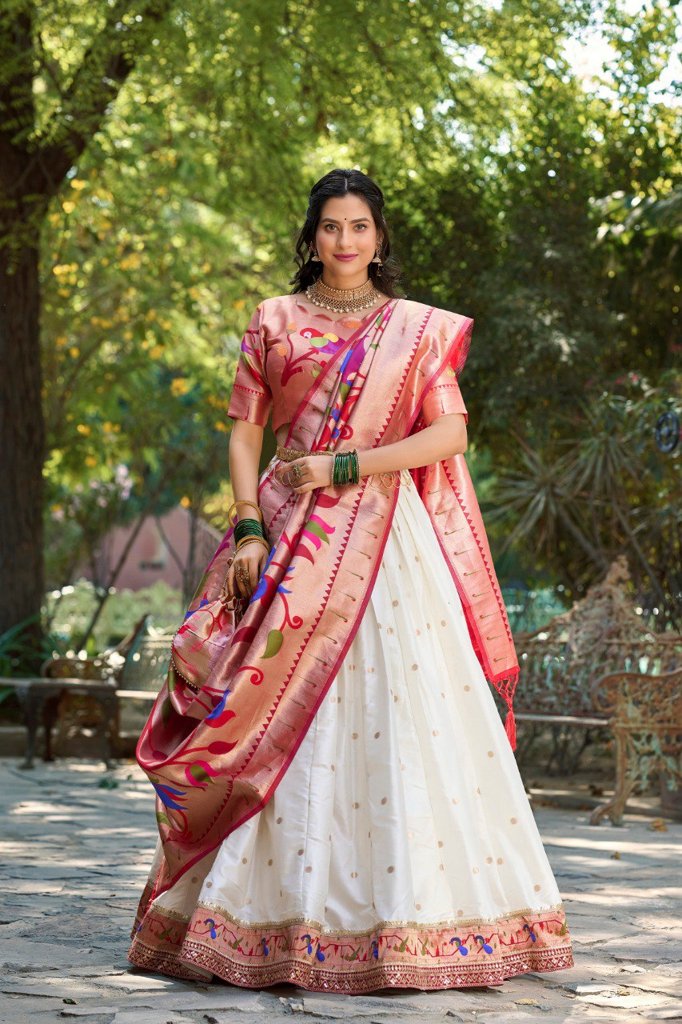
(468, 953)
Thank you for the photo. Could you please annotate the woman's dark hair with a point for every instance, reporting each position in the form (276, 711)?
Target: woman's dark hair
(337, 183)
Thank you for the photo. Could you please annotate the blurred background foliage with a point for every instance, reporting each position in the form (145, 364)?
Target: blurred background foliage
(529, 154)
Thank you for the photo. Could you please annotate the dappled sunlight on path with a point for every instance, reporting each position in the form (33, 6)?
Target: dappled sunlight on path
(75, 849)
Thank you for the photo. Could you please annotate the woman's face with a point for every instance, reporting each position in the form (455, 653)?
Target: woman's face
(346, 227)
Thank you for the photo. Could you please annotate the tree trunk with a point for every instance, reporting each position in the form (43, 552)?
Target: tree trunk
(32, 169)
(22, 435)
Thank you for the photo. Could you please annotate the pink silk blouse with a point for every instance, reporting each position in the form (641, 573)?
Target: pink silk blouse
(284, 348)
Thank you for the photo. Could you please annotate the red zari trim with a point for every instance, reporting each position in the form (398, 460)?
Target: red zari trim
(399, 955)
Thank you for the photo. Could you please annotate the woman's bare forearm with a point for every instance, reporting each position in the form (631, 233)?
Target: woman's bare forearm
(444, 437)
(246, 442)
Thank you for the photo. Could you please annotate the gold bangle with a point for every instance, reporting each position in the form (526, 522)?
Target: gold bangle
(243, 501)
(247, 540)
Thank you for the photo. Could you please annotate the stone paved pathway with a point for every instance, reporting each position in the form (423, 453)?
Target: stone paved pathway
(74, 856)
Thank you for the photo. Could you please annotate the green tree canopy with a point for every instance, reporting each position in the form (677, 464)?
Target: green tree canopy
(156, 160)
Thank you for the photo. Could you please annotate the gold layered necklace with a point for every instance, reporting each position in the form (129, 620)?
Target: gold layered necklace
(343, 300)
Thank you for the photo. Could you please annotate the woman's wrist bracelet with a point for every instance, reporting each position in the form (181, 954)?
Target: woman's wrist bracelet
(248, 539)
(248, 528)
(346, 467)
(243, 501)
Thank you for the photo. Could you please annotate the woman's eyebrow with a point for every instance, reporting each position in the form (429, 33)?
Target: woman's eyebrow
(352, 222)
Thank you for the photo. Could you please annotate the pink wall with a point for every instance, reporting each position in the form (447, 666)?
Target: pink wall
(150, 558)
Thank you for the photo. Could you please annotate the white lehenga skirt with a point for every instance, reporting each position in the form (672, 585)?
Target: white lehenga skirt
(399, 848)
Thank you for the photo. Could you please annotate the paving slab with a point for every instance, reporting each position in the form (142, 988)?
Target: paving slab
(74, 856)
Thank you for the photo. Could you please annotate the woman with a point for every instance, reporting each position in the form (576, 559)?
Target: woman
(338, 801)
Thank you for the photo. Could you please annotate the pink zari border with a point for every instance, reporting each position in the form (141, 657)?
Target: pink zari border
(390, 956)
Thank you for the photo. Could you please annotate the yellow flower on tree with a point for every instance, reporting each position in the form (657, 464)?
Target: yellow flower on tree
(130, 262)
(180, 386)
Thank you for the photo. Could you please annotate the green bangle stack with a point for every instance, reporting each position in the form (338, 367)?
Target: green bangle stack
(248, 529)
(346, 468)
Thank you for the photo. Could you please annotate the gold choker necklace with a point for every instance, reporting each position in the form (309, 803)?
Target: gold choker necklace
(343, 300)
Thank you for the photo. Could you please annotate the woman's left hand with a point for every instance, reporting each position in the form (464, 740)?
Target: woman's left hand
(316, 471)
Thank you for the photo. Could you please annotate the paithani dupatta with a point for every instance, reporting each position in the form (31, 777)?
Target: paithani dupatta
(216, 757)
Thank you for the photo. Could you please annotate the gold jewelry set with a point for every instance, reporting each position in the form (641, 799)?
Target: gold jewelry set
(343, 300)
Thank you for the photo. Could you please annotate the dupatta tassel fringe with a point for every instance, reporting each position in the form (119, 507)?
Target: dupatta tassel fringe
(506, 686)
(510, 728)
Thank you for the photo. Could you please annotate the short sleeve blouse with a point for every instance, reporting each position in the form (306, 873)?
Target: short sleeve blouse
(443, 397)
(285, 347)
(251, 398)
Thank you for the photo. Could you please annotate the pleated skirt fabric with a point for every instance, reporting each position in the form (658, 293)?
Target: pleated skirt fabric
(399, 849)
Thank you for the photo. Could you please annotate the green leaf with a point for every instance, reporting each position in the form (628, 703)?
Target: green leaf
(313, 527)
(274, 642)
(199, 773)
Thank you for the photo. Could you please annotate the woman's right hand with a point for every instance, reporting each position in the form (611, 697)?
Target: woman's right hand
(253, 557)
